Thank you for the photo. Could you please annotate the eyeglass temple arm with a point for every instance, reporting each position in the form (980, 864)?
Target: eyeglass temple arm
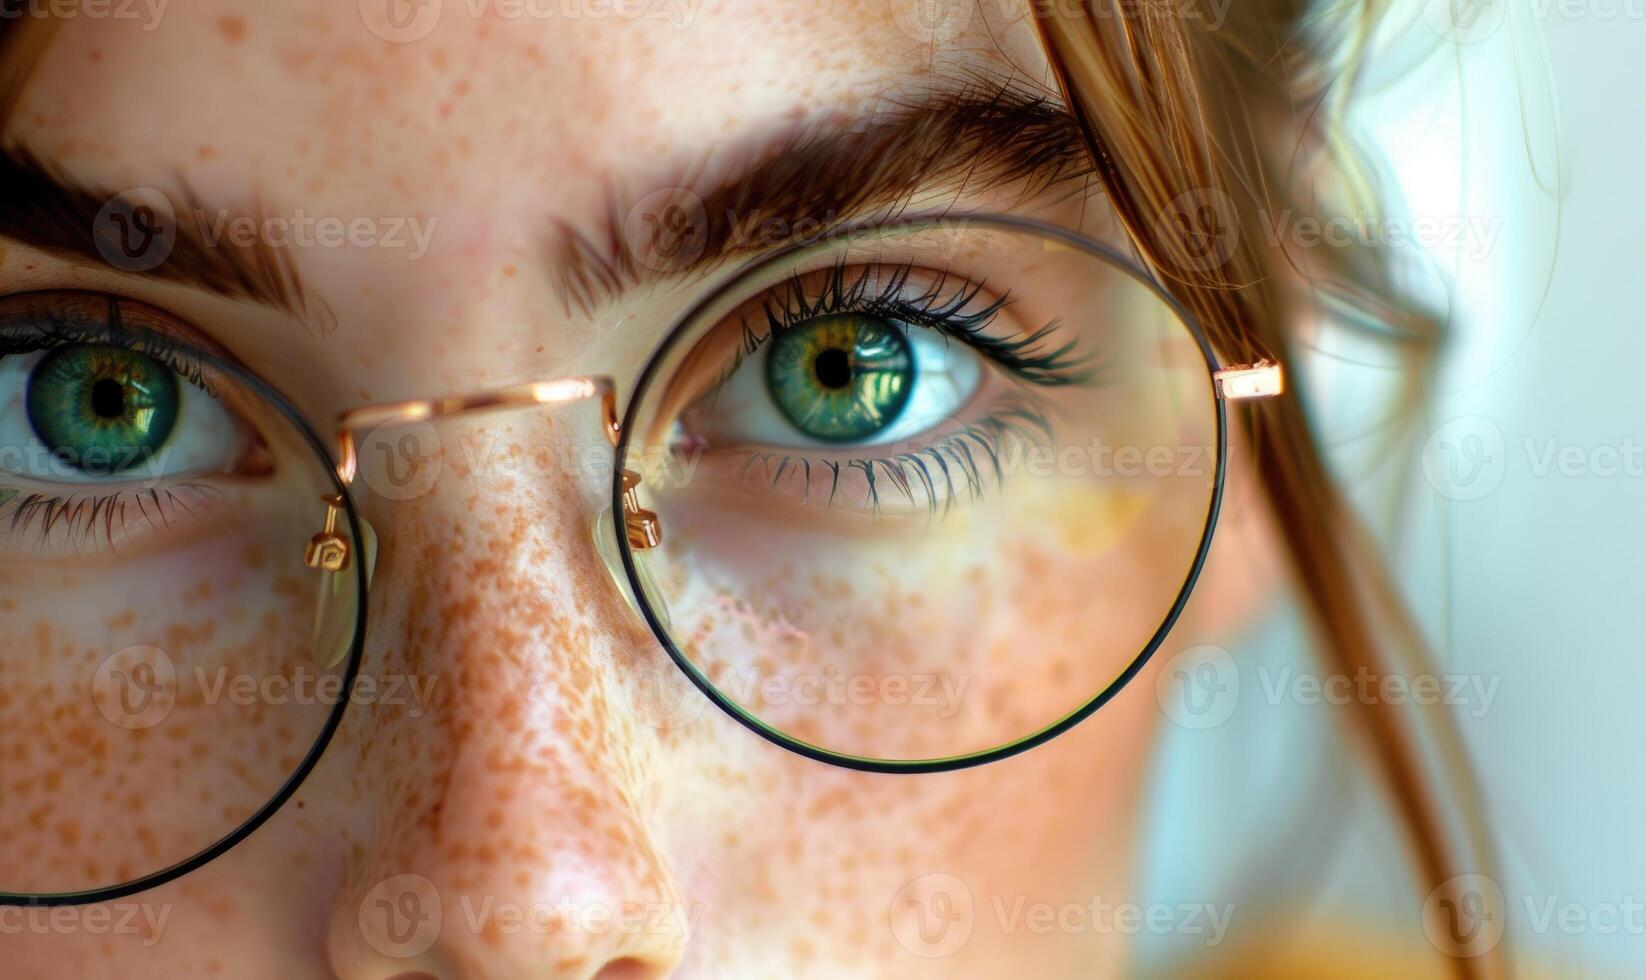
(330, 551)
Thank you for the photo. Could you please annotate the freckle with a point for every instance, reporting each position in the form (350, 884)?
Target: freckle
(123, 620)
(233, 29)
(96, 54)
(206, 152)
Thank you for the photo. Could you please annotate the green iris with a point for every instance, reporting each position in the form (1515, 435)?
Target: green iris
(100, 408)
(841, 378)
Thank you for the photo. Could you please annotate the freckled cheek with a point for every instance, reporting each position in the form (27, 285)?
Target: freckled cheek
(152, 702)
(913, 637)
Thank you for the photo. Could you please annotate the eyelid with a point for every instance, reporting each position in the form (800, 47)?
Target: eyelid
(748, 326)
(57, 318)
(54, 318)
(126, 318)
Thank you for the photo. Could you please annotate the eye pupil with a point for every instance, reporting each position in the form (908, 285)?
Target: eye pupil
(108, 399)
(834, 368)
(100, 408)
(841, 378)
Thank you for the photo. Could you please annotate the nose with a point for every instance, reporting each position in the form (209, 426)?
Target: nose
(509, 832)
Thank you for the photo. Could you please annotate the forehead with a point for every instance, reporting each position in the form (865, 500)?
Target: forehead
(481, 132)
(377, 102)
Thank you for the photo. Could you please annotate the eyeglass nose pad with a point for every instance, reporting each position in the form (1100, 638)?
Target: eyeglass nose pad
(339, 606)
(605, 542)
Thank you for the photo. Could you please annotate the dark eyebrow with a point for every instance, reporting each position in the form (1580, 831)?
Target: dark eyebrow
(976, 135)
(51, 211)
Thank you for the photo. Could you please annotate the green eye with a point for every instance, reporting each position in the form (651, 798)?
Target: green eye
(102, 408)
(841, 378)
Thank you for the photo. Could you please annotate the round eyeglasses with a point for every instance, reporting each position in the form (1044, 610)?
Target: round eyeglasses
(910, 497)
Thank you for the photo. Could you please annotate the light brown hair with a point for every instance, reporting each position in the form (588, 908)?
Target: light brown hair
(1188, 117)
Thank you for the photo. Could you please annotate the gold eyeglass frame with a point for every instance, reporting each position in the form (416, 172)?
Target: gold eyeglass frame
(330, 551)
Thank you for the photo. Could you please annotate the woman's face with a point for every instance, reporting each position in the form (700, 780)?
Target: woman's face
(518, 811)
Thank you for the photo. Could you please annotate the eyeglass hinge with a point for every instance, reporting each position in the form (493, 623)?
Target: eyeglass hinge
(639, 524)
(1260, 380)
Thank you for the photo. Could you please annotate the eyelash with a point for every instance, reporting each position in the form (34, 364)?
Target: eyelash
(46, 329)
(1030, 359)
(1034, 360)
(91, 519)
(1012, 418)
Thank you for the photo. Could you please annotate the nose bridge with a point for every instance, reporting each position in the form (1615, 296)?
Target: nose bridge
(511, 801)
(404, 434)
(553, 392)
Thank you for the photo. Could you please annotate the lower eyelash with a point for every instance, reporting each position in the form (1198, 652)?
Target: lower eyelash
(91, 521)
(968, 458)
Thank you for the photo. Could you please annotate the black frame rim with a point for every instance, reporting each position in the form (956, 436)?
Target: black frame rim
(782, 739)
(334, 720)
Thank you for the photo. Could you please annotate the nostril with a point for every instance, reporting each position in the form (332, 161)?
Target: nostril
(629, 968)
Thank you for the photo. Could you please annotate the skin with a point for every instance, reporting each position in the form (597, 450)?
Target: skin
(534, 777)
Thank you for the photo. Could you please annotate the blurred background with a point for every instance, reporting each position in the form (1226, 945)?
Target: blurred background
(1509, 156)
